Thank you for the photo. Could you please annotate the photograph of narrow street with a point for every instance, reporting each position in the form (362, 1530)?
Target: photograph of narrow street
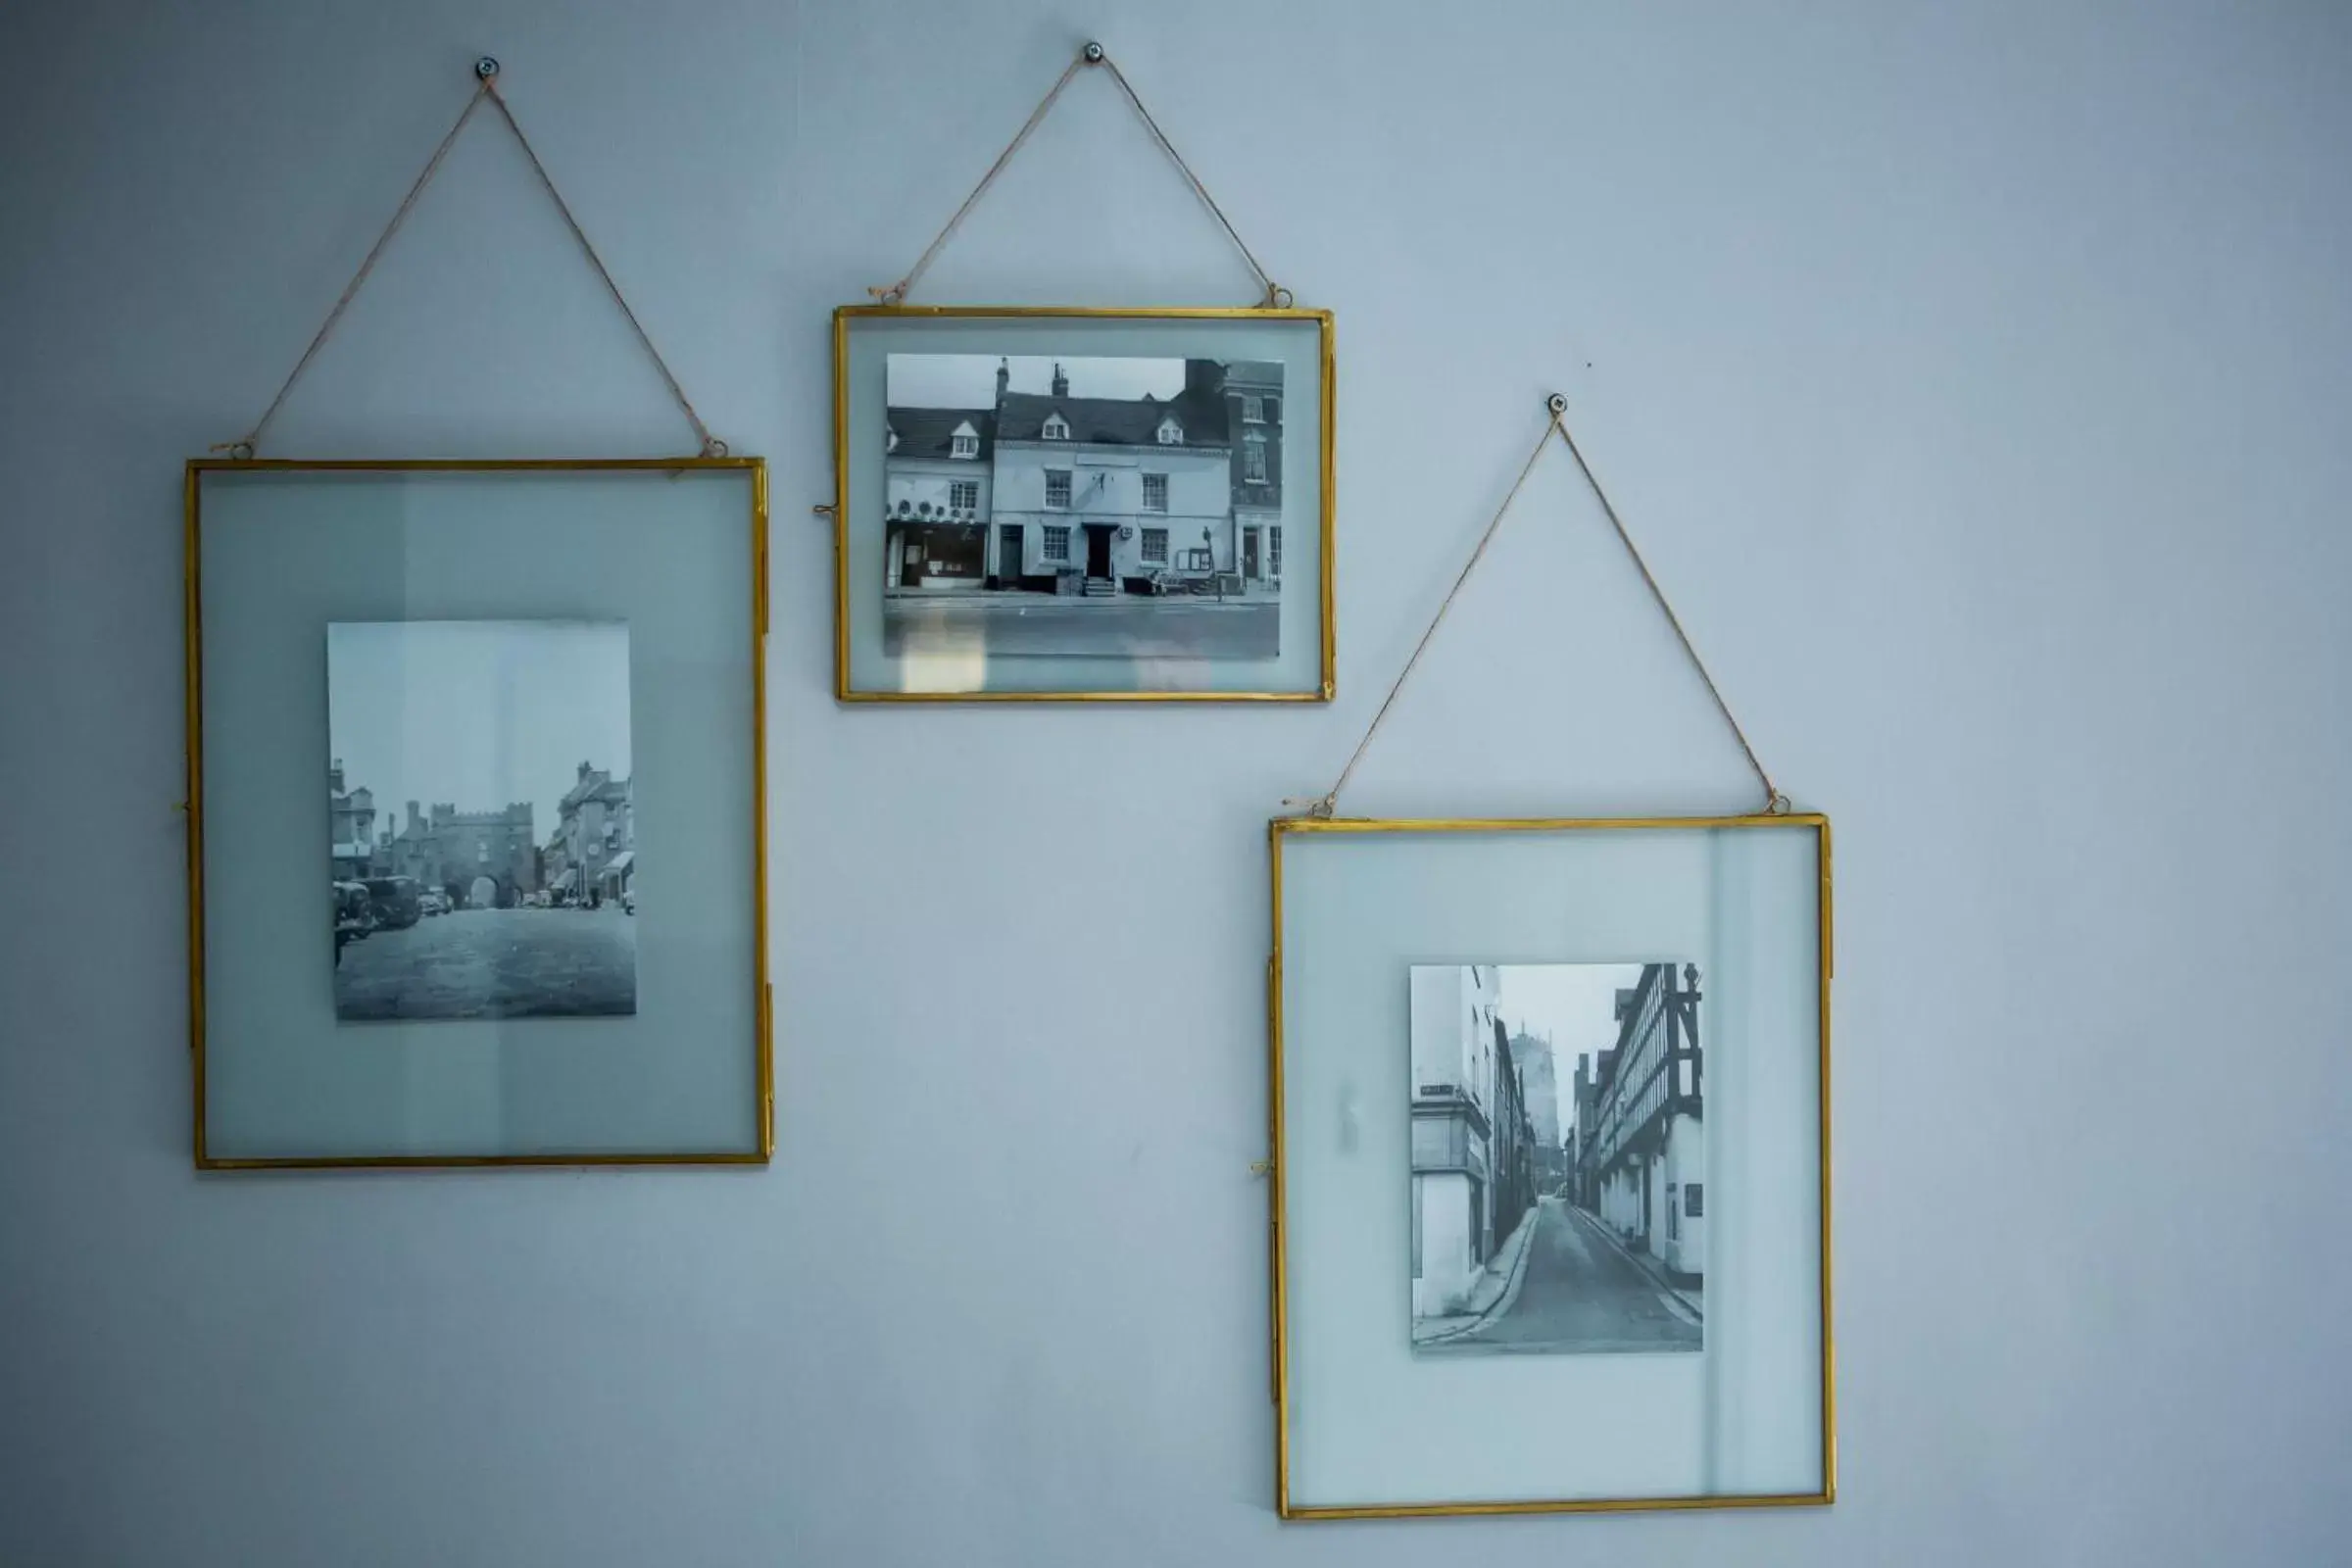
(1557, 1212)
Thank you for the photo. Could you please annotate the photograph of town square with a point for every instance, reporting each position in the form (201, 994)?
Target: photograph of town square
(514, 893)
(1114, 507)
(1559, 1158)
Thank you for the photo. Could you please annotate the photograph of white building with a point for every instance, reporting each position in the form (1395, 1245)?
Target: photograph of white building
(1554, 1213)
(1118, 507)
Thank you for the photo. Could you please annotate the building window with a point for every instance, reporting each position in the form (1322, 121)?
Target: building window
(1057, 543)
(1253, 459)
(1057, 428)
(1171, 434)
(1274, 552)
(1254, 410)
(964, 495)
(1155, 492)
(964, 444)
(1155, 546)
(1695, 1202)
(1058, 490)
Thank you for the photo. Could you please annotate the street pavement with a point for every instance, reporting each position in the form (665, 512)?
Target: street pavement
(494, 963)
(1038, 623)
(1580, 1293)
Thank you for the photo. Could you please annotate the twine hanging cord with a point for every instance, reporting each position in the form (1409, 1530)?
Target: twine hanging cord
(1325, 803)
(486, 70)
(1274, 296)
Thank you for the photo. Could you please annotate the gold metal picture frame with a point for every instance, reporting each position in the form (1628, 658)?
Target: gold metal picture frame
(1281, 829)
(843, 688)
(764, 1086)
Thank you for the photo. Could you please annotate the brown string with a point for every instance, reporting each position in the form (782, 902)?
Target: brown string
(1094, 54)
(712, 446)
(1325, 803)
(1773, 801)
(245, 446)
(1328, 802)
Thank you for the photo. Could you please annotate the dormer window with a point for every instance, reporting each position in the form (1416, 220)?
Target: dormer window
(1171, 434)
(1057, 428)
(964, 443)
(893, 443)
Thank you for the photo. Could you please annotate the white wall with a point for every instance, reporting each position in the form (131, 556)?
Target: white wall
(1976, 378)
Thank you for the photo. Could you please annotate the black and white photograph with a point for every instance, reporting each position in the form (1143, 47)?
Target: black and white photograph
(1090, 505)
(1559, 1184)
(483, 812)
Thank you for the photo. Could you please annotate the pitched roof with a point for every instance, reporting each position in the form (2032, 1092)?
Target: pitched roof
(930, 432)
(1108, 421)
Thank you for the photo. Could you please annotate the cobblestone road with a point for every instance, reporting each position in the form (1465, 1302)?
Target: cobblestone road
(494, 963)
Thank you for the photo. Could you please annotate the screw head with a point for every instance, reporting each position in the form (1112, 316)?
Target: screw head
(486, 67)
(1556, 404)
(1093, 53)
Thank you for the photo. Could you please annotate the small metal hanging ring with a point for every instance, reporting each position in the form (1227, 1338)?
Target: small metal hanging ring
(1280, 298)
(240, 451)
(1777, 806)
(713, 447)
(1093, 54)
(1557, 404)
(486, 67)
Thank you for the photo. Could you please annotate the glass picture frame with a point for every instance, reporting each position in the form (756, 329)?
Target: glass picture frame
(1549, 1197)
(1067, 504)
(520, 678)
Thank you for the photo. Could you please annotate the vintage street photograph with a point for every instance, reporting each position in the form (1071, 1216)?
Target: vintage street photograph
(483, 812)
(1127, 508)
(1559, 1158)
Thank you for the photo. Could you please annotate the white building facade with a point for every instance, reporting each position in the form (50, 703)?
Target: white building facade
(1108, 496)
(1454, 1064)
(937, 481)
(1049, 492)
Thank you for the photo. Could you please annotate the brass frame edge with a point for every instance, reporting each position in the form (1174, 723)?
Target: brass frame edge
(1280, 828)
(1326, 687)
(764, 1070)
(192, 677)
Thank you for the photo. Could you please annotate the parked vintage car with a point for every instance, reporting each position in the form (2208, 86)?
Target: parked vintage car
(398, 900)
(354, 914)
(432, 901)
(628, 901)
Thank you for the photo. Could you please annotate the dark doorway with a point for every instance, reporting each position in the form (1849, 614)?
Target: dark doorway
(1249, 553)
(1009, 555)
(1097, 550)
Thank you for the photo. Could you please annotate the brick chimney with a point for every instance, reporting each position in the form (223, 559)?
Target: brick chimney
(1062, 382)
